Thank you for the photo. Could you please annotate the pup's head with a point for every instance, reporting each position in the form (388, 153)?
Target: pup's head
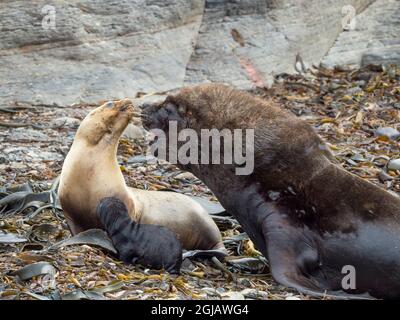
(110, 210)
(106, 123)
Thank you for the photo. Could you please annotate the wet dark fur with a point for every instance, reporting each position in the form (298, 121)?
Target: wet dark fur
(324, 217)
(146, 244)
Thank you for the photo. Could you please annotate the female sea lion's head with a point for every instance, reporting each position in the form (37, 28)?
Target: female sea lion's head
(105, 123)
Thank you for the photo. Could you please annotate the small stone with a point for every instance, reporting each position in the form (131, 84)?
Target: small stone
(232, 296)
(389, 132)
(210, 291)
(164, 286)
(185, 176)
(292, 298)
(220, 291)
(141, 159)
(351, 162)
(244, 282)
(358, 157)
(394, 164)
(11, 238)
(360, 83)
(68, 122)
(335, 86)
(254, 294)
(133, 132)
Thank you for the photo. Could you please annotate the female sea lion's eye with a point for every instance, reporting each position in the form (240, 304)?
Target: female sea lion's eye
(110, 104)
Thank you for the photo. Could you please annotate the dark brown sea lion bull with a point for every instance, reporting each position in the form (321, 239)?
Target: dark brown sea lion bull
(321, 227)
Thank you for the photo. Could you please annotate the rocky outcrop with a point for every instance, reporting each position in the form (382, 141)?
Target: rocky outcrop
(119, 48)
(99, 49)
(375, 39)
(253, 39)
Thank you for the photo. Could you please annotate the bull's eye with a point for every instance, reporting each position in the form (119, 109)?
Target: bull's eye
(170, 108)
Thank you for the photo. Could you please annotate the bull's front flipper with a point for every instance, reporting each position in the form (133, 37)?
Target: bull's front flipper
(294, 257)
(291, 248)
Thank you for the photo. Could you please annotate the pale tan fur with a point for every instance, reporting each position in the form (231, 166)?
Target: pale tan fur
(91, 172)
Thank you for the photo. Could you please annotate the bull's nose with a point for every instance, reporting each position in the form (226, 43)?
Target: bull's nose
(145, 105)
(147, 119)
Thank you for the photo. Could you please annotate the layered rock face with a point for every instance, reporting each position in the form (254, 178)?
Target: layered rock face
(98, 49)
(86, 50)
(374, 40)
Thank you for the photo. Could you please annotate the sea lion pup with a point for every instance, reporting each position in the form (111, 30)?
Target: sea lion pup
(91, 173)
(321, 227)
(146, 244)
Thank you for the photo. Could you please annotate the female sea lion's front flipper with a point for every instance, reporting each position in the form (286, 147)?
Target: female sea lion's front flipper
(146, 244)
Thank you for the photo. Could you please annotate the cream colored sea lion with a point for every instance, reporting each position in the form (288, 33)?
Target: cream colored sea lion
(91, 172)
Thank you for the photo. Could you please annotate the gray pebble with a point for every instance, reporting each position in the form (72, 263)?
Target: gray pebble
(394, 164)
(389, 132)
